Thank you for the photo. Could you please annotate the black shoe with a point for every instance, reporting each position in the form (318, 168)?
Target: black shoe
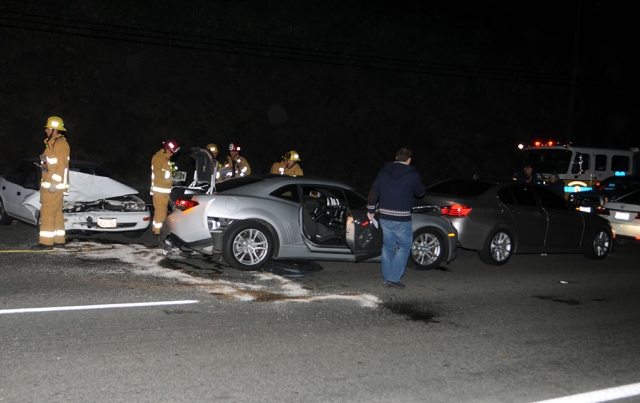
(41, 247)
(394, 284)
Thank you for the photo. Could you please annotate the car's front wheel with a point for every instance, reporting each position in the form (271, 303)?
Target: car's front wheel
(497, 247)
(5, 219)
(247, 245)
(427, 249)
(600, 245)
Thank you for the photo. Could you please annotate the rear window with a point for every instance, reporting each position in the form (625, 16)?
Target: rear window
(236, 183)
(461, 187)
(631, 198)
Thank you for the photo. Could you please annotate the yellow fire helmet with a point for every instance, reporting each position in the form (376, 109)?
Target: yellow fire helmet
(55, 122)
(292, 155)
(213, 147)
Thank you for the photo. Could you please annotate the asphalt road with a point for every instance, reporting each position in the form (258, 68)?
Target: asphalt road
(540, 327)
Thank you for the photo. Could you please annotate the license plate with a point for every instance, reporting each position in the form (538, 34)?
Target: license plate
(107, 223)
(585, 209)
(622, 216)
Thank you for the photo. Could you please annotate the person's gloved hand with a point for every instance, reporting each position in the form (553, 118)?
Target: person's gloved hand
(52, 189)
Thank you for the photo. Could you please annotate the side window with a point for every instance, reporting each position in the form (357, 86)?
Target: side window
(17, 174)
(506, 196)
(580, 163)
(354, 200)
(601, 162)
(523, 195)
(288, 192)
(620, 163)
(32, 178)
(550, 200)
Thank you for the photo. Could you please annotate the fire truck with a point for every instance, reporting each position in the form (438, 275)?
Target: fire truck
(579, 167)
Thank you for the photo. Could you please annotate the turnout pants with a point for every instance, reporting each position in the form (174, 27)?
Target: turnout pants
(160, 206)
(51, 218)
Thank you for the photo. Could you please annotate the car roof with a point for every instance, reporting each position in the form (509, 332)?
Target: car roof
(471, 186)
(273, 181)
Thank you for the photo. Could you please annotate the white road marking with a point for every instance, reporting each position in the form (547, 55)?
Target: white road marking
(88, 307)
(597, 396)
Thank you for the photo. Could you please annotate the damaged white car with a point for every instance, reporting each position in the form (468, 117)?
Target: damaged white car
(95, 203)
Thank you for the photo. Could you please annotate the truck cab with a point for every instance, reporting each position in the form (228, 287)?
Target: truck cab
(580, 168)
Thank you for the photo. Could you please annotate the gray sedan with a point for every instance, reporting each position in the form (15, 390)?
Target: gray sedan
(499, 217)
(253, 219)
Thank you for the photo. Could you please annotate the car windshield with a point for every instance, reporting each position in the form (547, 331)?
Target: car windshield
(544, 160)
(88, 169)
(461, 187)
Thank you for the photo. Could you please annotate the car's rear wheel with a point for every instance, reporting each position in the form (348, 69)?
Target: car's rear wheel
(427, 249)
(5, 219)
(600, 245)
(497, 248)
(247, 245)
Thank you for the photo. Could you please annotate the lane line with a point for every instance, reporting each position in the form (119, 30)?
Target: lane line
(27, 251)
(88, 307)
(598, 396)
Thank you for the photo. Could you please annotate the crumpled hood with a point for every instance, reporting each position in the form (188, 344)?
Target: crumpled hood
(397, 169)
(87, 188)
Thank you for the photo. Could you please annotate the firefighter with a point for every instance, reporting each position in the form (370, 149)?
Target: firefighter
(54, 163)
(289, 165)
(161, 182)
(213, 148)
(235, 165)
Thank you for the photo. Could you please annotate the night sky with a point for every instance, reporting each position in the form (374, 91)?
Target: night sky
(345, 83)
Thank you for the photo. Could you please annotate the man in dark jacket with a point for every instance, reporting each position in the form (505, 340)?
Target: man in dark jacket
(526, 174)
(393, 191)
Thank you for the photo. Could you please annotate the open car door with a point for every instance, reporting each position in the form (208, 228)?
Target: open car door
(363, 238)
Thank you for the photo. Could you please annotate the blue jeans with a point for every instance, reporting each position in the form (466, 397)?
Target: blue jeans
(397, 238)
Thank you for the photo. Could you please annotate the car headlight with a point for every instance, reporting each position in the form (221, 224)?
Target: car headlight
(135, 204)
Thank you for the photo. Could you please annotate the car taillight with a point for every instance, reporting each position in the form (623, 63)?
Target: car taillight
(456, 210)
(602, 211)
(185, 204)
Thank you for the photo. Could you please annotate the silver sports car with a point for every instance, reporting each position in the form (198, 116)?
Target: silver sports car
(260, 217)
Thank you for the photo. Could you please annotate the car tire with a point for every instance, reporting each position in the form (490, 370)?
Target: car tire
(599, 245)
(247, 245)
(5, 219)
(427, 249)
(498, 247)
